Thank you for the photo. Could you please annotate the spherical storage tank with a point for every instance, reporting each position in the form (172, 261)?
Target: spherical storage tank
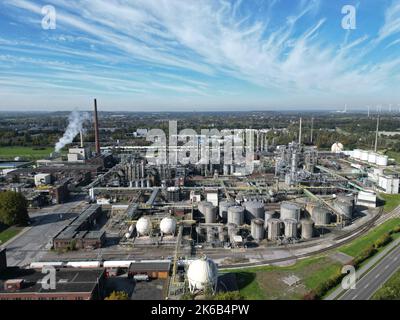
(274, 229)
(223, 208)
(307, 229)
(257, 229)
(290, 228)
(143, 226)
(168, 225)
(202, 273)
(290, 210)
(254, 209)
(210, 213)
(236, 215)
(321, 216)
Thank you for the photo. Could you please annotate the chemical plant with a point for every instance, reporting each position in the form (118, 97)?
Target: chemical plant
(182, 222)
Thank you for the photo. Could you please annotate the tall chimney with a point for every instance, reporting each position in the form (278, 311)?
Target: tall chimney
(96, 129)
(300, 131)
(81, 135)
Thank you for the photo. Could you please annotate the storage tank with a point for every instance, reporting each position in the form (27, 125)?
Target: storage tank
(307, 229)
(143, 226)
(168, 225)
(372, 157)
(201, 206)
(254, 210)
(222, 234)
(321, 216)
(382, 160)
(357, 154)
(202, 273)
(274, 229)
(210, 234)
(232, 231)
(267, 216)
(210, 213)
(344, 207)
(223, 209)
(236, 215)
(290, 210)
(290, 228)
(257, 229)
(364, 155)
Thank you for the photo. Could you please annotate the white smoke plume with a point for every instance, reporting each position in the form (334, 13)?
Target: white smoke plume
(76, 120)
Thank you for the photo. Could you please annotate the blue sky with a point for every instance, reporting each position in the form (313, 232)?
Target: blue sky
(171, 55)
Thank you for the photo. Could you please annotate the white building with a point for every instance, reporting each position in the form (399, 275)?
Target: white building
(389, 184)
(78, 154)
(42, 179)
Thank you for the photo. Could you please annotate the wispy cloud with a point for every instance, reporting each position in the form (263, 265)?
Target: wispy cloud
(188, 46)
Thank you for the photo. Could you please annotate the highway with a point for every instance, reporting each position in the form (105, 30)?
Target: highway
(375, 278)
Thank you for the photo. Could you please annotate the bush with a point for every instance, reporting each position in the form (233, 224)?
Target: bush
(118, 295)
(383, 240)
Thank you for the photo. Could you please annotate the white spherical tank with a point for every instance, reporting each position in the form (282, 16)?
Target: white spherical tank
(201, 274)
(143, 226)
(168, 225)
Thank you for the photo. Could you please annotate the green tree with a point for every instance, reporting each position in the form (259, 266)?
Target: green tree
(118, 295)
(13, 208)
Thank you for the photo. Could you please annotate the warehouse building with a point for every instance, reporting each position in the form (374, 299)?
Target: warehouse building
(71, 284)
(154, 269)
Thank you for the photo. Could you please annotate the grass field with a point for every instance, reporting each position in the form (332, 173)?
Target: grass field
(267, 282)
(393, 154)
(9, 153)
(391, 201)
(9, 233)
(362, 243)
(390, 290)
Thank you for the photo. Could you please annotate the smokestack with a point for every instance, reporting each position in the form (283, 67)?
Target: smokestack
(96, 129)
(312, 130)
(81, 134)
(300, 131)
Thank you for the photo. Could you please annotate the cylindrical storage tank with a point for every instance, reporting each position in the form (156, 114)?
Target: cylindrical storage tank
(254, 210)
(290, 228)
(364, 155)
(168, 225)
(321, 216)
(210, 234)
(210, 213)
(223, 209)
(290, 210)
(372, 157)
(143, 226)
(344, 207)
(274, 229)
(307, 229)
(236, 215)
(357, 154)
(257, 229)
(201, 206)
(382, 160)
(232, 230)
(222, 234)
(202, 273)
(267, 216)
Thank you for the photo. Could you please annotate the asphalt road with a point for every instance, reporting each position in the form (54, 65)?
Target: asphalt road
(32, 244)
(375, 278)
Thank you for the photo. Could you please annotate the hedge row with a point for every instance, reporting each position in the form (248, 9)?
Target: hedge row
(333, 281)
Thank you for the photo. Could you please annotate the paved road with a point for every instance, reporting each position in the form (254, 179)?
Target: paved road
(375, 278)
(32, 244)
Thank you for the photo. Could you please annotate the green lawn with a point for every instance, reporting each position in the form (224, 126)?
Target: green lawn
(390, 290)
(393, 154)
(261, 283)
(9, 233)
(29, 153)
(391, 201)
(362, 243)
